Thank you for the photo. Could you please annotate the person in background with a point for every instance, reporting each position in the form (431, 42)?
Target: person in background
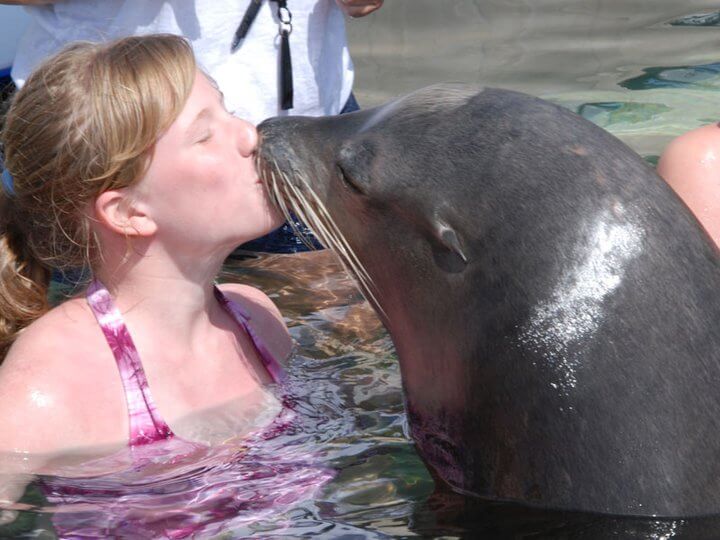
(248, 70)
(122, 158)
(690, 164)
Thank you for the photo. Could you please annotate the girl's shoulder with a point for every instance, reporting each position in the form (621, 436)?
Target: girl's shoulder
(265, 317)
(252, 299)
(53, 378)
(55, 335)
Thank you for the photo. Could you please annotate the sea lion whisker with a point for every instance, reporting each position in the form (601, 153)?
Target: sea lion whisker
(323, 219)
(279, 192)
(313, 212)
(279, 200)
(350, 253)
(342, 247)
(324, 228)
(313, 220)
(300, 212)
(272, 185)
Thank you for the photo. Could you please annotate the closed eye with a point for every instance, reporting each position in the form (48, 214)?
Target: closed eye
(348, 181)
(205, 137)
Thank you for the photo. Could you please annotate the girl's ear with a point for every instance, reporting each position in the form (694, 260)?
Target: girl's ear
(117, 212)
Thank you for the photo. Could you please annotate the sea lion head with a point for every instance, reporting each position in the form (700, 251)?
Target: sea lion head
(372, 184)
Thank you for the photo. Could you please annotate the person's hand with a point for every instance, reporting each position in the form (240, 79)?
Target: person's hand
(359, 8)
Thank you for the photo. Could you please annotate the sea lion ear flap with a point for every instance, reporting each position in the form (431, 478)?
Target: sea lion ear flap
(454, 259)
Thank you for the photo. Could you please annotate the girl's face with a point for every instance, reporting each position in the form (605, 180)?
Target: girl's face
(201, 187)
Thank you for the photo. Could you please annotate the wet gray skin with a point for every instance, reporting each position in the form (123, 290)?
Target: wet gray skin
(554, 306)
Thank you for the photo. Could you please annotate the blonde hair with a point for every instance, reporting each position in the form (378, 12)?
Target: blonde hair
(85, 122)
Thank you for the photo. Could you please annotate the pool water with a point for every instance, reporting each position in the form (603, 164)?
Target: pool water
(345, 388)
(644, 70)
(345, 391)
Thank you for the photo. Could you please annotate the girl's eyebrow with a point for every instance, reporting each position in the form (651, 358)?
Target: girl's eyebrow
(202, 116)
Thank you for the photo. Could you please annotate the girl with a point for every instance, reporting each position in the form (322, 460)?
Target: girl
(122, 158)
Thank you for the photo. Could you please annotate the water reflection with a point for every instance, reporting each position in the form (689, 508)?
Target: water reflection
(711, 18)
(705, 76)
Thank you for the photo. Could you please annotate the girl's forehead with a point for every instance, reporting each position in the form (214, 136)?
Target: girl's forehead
(203, 96)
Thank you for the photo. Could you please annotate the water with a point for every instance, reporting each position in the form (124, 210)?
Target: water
(646, 70)
(345, 386)
(572, 52)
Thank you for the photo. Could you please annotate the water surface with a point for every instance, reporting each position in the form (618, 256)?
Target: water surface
(574, 53)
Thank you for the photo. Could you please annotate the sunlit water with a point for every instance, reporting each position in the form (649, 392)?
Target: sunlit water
(348, 421)
(646, 71)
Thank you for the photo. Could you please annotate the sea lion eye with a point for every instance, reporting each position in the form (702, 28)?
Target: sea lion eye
(348, 181)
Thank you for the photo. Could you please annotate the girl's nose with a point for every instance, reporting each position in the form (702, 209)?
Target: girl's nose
(247, 137)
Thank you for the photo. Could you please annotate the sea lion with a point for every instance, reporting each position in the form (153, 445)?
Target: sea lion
(554, 306)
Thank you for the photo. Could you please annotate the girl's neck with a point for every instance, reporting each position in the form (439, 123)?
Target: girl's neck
(155, 287)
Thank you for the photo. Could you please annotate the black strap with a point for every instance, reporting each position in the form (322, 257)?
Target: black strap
(284, 31)
(247, 20)
(286, 76)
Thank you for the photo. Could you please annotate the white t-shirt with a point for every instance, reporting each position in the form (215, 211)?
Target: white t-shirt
(322, 68)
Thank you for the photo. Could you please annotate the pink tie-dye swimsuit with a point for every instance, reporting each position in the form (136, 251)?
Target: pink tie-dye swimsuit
(191, 488)
(146, 424)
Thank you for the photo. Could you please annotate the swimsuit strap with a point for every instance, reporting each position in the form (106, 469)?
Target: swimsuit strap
(242, 317)
(146, 424)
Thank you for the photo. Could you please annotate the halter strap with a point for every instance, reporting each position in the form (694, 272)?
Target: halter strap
(146, 424)
(242, 317)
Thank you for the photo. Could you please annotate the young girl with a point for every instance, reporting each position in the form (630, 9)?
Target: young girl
(122, 158)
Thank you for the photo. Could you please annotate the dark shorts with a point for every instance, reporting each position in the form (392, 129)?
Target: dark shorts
(6, 89)
(7, 86)
(284, 239)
